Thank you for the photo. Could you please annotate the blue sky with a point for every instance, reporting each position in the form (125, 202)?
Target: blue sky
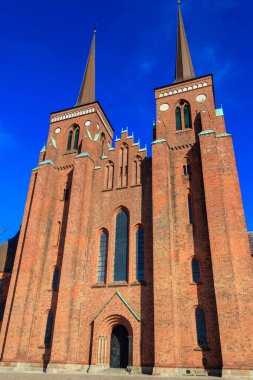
(44, 47)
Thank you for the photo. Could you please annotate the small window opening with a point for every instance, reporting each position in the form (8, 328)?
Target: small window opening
(70, 140)
(55, 280)
(201, 327)
(76, 139)
(178, 119)
(49, 329)
(190, 209)
(195, 271)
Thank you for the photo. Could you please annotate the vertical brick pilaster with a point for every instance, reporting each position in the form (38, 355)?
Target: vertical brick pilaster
(66, 331)
(163, 298)
(229, 250)
(27, 272)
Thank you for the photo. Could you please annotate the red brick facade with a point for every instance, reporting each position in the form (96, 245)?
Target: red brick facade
(186, 198)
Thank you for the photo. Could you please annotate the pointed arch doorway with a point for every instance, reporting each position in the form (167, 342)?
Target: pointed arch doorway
(119, 347)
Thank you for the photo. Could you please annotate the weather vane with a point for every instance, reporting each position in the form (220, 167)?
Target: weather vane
(178, 1)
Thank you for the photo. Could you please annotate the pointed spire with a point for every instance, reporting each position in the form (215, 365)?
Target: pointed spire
(184, 67)
(87, 90)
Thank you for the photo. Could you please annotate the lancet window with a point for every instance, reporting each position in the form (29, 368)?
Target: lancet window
(102, 258)
(121, 247)
(183, 116)
(201, 327)
(73, 134)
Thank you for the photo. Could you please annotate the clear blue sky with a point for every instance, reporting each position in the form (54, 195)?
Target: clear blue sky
(44, 47)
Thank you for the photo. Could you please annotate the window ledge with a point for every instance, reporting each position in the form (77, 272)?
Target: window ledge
(72, 151)
(184, 130)
(107, 190)
(138, 283)
(196, 283)
(137, 185)
(121, 188)
(116, 284)
(98, 285)
(204, 348)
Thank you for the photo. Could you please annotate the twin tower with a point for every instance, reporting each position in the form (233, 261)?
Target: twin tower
(126, 261)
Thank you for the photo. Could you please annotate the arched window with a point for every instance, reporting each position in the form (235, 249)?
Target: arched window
(102, 258)
(49, 329)
(178, 119)
(190, 209)
(140, 253)
(187, 117)
(76, 139)
(195, 271)
(121, 247)
(201, 327)
(55, 279)
(183, 116)
(70, 140)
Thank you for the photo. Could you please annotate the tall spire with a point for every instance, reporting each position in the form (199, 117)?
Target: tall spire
(87, 90)
(184, 67)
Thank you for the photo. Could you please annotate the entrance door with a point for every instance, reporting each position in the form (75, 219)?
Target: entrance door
(119, 347)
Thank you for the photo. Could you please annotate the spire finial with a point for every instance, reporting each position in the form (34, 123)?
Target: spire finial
(87, 90)
(184, 67)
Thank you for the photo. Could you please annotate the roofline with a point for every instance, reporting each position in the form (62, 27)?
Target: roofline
(84, 105)
(188, 80)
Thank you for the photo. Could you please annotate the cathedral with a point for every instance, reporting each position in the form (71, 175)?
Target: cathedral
(129, 261)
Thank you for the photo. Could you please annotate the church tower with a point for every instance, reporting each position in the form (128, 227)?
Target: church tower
(199, 228)
(131, 262)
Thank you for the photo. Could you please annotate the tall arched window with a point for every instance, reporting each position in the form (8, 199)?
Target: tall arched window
(55, 279)
(195, 270)
(76, 139)
(187, 116)
(140, 253)
(178, 119)
(102, 258)
(121, 247)
(183, 116)
(70, 140)
(190, 209)
(201, 327)
(49, 329)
